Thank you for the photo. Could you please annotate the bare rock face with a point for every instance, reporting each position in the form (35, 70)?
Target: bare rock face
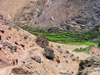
(42, 41)
(49, 53)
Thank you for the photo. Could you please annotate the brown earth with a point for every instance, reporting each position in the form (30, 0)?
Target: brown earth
(31, 49)
(16, 43)
(9, 8)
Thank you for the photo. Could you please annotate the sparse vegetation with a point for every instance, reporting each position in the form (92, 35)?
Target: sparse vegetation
(31, 13)
(85, 50)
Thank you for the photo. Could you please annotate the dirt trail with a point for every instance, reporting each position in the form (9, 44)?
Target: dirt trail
(6, 71)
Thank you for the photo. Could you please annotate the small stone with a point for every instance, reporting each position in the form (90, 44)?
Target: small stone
(25, 36)
(67, 52)
(71, 55)
(23, 61)
(38, 59)
(22, 45)
(51, 45)
(16, 43)
(58, 60)
(77, 57)
(73, 59)
(33, 58)
(9, 28)
(66, 61)
(58, 46)
(72, 72)
(2, 31)
(9, 36)
(0, 37)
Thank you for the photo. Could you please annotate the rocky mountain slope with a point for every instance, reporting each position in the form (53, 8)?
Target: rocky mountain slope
(35, 58)
(9, 8)
(72, 15)
(36, 55)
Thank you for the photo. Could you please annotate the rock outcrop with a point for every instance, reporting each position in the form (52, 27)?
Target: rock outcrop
(20, 71)
(42, 41)
(88, 63)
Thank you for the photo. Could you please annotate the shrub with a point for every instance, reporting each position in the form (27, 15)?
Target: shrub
(31, 13)
(35, 22)
(85, 50)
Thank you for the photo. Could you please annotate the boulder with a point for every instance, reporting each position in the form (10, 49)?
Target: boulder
(49, 53)
(42, 41)
(90, 62)
(38, 59)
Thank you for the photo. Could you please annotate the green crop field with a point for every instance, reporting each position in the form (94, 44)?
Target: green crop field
(66, 37)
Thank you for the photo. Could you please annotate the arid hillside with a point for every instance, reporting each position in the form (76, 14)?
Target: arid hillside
(74, 15)
(71, 15)
(9, 8)
(38, 56)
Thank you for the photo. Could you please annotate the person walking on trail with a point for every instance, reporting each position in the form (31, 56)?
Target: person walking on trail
(13, 62)
(16, 61)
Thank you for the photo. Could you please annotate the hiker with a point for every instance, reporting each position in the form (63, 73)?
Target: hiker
(16, 61)
(13, 62)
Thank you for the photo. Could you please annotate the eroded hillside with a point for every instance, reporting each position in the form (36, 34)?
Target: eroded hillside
(16, 43)
(71, 15)
(38, 56)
